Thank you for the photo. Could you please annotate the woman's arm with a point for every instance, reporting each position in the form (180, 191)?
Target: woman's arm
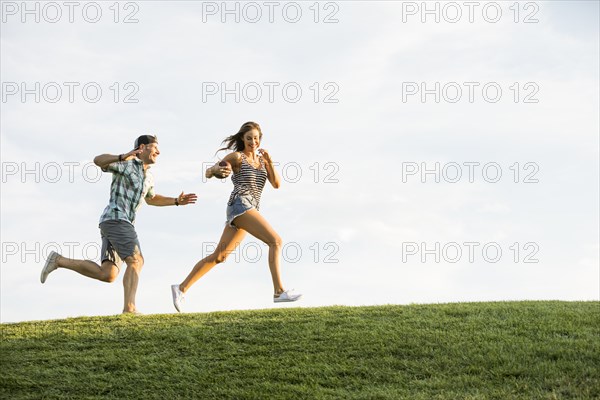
(272, 174)
(232, 158)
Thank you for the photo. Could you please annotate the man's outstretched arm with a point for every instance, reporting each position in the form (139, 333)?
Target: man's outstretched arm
(104, 160)
(181, 200)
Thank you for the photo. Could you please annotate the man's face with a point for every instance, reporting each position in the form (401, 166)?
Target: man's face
(149, 153)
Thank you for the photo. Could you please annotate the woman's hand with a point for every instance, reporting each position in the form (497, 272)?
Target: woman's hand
(265, 155)
(272, 174)
(221, 170)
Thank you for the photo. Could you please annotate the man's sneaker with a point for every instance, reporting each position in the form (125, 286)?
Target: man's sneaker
(134, 312)
(178, 297)
(49, 266)
(287, 296)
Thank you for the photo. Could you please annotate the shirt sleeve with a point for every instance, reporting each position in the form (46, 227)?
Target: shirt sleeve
(150, 193)
(117, 167)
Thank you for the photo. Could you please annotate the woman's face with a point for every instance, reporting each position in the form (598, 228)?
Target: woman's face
(251, 140)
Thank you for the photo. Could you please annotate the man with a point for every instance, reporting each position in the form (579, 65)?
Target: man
(131, 182)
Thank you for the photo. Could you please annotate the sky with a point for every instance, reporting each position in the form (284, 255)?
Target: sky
(446, 154)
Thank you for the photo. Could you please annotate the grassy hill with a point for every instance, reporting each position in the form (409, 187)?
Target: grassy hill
(500, 350)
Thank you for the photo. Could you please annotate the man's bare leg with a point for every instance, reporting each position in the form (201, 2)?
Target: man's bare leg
(107, 272)
(135, 263)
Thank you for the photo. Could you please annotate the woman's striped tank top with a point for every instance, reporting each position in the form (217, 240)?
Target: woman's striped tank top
(248, 181)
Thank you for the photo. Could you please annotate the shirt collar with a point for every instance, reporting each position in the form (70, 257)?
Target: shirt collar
(140, 162)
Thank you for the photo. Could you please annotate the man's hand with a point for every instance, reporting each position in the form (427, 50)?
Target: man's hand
(181, 200)
(184, 199)
(104, 160)
(131, 155)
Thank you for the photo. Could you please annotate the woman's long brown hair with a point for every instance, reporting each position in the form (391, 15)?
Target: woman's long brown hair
(236, 142)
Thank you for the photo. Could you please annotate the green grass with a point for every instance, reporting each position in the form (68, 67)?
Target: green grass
(500, 350)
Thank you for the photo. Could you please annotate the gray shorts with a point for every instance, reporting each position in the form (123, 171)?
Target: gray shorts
(119, 241)
(239, 206)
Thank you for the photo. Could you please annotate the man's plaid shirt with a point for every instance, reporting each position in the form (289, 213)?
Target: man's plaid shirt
(129, 185)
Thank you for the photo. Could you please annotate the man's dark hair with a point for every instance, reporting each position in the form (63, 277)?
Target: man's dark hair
(144, 139)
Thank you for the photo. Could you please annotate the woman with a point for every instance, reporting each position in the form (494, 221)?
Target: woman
(251, 168)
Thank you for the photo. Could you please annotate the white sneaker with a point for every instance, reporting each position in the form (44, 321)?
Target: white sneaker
(287, 296)
(49, 266)
(178, 297)
(136, 312)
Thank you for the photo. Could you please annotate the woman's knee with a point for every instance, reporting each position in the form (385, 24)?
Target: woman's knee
(219, 257)
(275, 241)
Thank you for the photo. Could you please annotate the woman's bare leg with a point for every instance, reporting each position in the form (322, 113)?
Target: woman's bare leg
(230, 239)
(256, 225)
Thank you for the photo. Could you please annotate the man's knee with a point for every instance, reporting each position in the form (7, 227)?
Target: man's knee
(111, 275)
(110, 272)
(135, 261)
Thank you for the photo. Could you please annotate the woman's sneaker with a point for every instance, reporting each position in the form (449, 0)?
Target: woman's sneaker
(178, 297)
(287, 296)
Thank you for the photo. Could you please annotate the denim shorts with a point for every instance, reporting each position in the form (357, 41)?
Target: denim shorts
(119, 241)
(240, 205)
